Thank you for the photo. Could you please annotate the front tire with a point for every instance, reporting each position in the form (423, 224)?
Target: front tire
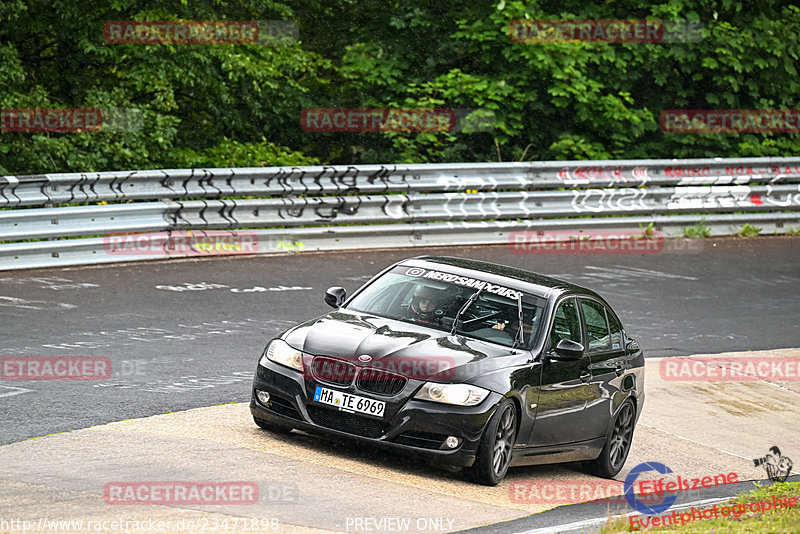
(618, 443)
(496, 445)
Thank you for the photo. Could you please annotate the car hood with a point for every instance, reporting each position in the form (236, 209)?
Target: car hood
(413, 350)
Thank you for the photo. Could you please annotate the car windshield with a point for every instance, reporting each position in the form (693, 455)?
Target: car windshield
(435, 299)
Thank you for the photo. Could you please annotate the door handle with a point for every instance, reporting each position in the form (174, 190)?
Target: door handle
(620, 370)
(585, 376)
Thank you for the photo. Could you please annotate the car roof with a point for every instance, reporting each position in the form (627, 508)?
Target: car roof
(526, 281)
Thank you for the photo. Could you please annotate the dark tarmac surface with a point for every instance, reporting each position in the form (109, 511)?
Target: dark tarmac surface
(187, 333)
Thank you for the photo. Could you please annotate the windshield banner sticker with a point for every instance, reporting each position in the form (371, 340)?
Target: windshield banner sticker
(465, 281)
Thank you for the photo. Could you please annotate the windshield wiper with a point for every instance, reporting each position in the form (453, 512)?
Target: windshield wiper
(520, 337)
(463, 309)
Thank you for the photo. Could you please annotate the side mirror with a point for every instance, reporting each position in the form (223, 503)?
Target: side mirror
(567, 351)
(335, 296)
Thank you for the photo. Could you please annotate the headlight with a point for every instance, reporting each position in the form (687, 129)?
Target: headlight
(459, 394)
(280, 352)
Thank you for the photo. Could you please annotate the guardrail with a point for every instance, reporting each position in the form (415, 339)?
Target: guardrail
(364, 206)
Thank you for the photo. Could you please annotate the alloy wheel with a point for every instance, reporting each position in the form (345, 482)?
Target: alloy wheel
(504, 440)
(621, 436)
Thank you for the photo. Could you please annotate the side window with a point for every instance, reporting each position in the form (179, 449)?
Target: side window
(596, 325)
(566, 324)
(616, 331)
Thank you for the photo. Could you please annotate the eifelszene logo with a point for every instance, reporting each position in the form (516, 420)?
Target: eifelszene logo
(630, 482)
(777, 466)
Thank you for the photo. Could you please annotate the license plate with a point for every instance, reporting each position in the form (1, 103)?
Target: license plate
(349, 403)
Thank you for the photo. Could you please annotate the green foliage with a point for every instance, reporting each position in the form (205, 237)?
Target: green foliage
(194, 99)
(698, 230)
(225, 104)
(648, 230)
(230, 153)
(783, 520)
(748, 231)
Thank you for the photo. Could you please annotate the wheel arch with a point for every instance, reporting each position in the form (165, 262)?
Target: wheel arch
(634, 400)
(515, 400)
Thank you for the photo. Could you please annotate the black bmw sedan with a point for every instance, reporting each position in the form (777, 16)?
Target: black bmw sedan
(467, 363)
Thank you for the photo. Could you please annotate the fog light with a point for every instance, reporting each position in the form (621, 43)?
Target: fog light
(263, 396)
(452, 442)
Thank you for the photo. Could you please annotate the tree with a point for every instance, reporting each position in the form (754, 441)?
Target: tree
(191, 99)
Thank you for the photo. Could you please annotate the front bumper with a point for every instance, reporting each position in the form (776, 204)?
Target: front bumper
(410, 426)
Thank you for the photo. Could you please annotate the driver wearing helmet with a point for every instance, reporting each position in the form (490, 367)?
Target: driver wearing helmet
(513, 326)
(425, 306)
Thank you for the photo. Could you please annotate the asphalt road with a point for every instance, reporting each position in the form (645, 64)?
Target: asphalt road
(187, 333)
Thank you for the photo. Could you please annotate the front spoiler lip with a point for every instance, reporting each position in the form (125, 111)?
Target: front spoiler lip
(462, 456)
(292, 388)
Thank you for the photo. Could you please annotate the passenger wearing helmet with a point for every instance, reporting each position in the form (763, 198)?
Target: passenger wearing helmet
(424, 306)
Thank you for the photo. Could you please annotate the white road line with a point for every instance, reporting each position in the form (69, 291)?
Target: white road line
(22, 303)
(602, 520)
(18, 391)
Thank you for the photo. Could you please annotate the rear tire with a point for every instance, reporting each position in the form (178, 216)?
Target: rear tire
(496, 445)
(272, 427)
(618, 443)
